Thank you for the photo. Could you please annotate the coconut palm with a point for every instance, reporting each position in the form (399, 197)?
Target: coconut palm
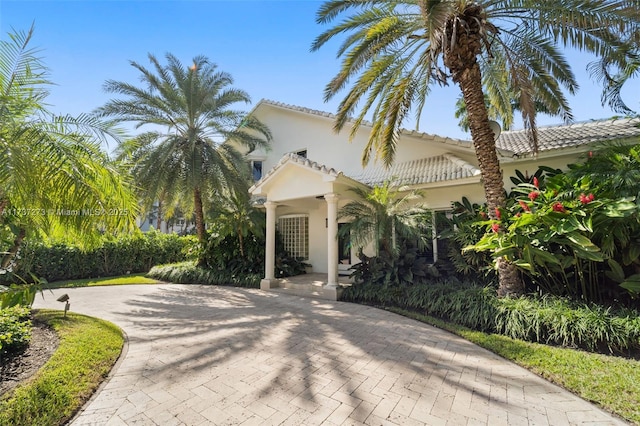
(196, 129)
(54, 177)
(380, 215)
(394, 50)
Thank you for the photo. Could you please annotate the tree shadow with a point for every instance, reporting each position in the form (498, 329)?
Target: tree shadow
(312, 353)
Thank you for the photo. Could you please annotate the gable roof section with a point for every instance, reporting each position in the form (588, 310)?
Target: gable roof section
(571, 136)
(428, 137)
(292, 158)
(442, 168)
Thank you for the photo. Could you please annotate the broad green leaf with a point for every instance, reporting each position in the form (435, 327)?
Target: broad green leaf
(616, 273)
(632, 284)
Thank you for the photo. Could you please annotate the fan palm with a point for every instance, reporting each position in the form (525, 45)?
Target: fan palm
(191, 111)
(54, 177)
(395, 50)
(380, 215)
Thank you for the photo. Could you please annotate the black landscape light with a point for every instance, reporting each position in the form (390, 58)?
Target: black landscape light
(65, 298)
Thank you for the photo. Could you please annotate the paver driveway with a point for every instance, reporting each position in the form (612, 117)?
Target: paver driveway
(201, 355)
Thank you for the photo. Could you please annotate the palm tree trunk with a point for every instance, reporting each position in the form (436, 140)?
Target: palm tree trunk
(11, 253)
(199, 212)
(159, 218)
(241, 243)
(470, 81)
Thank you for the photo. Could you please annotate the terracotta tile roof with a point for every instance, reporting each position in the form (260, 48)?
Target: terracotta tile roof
(572, 135)
(442, 168)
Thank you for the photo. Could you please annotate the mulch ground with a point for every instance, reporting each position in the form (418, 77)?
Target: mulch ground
(21, 365)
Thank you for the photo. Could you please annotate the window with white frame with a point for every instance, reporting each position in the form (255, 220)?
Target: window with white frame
(294, 231)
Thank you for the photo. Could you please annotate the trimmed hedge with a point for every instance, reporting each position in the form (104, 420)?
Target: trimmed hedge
(548, 319)
(124, 255)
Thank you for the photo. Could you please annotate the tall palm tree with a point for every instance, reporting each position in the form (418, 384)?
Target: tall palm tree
(194, 124)
(54, 177)
(395, 50)
(380, 215)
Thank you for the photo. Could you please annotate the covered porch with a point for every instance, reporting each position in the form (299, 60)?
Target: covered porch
(302, 201)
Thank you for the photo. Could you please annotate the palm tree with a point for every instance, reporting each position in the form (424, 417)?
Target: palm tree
(235, 215)
(54, 177)
(196, 128)
(380, 215)
(395, 50)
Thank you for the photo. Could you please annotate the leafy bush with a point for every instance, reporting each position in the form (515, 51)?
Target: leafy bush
(225, 256)
(406, 267)
(547, 319)
(551, 234)
(15, 328)
(18, 294)
(190, 273)
(126, 254)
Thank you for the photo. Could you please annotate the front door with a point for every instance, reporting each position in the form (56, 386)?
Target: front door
(344, 251)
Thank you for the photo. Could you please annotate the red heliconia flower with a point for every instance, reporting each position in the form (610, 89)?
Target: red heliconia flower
(533, 195)
(524, 206)
(495, 227)
(483, 215)
(590, 154)
(558, 207)
(535, 182)
(498, 214)
(586, 199)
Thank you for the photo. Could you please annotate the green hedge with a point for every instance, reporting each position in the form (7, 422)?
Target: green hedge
(551, 320)
(15, 328)
(126, 254)
(189, 273)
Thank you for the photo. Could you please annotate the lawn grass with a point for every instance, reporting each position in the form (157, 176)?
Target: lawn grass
(90, 282)
(88, 349)
(611, 382)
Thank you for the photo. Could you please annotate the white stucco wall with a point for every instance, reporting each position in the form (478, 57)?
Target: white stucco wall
(293, 131)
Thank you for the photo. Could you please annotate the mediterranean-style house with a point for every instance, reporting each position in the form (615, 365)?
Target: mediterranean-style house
(305, 175)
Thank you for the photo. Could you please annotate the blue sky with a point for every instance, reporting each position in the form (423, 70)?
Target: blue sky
(263, 44)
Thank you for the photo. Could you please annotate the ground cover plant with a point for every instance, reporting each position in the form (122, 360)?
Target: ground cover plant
(549, 319)
(190, 273)
(610, 382)
(88, 349)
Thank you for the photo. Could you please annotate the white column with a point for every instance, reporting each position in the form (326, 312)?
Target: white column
(270, 249)
(434, 236)
(332, 239)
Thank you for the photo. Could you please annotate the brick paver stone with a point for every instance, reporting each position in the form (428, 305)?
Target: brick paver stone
(202, 355)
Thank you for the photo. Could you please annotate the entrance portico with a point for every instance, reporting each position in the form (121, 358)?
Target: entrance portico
(300, 188)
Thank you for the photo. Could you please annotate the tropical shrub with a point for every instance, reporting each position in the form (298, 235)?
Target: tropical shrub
(459, 232)
(575, 233)
(227, 255)
(15, 328)
(407, 266)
